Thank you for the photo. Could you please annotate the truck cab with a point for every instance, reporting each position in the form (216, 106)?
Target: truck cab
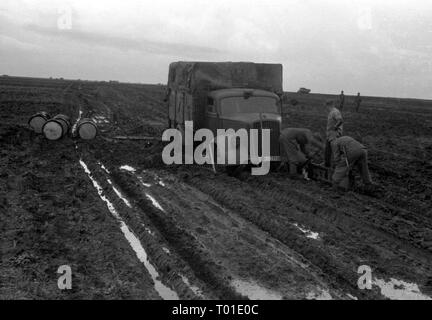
(238, 108)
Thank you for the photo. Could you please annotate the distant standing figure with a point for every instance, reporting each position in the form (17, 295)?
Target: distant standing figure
(341, 100)
(357, 102)
(297, 144)
(347, 153)
(334, 130)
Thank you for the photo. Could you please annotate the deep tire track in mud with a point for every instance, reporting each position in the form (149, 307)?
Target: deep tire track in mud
(362, 219)
(397, 181)
(250, 254)
(352, 209)
(185, 245)
(167, 264)
(366, 247)
(334, 271)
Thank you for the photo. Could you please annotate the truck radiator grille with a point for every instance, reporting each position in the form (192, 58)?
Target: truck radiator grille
(274, 136)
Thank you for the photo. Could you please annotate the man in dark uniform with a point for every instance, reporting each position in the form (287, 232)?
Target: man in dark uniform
(297, 145)
(347, 153)
(341, 100)
(357, 102)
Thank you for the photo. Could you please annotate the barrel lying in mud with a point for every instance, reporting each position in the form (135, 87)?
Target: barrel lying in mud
(37, 121)
(86, 129)
(57, 127)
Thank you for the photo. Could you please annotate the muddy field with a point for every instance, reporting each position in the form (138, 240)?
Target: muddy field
(131, 227)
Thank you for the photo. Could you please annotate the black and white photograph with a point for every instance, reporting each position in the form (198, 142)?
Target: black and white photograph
(215, 150)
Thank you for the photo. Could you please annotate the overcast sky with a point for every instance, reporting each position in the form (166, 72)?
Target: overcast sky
(378, 47)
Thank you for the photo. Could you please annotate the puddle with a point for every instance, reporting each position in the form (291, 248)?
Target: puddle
(309, 234)
(253, 291)
(400, 290)
(321, 295)
(127, 168)
(165, 292)
(155, 176)
(100, 191)
(76, 122)
(154, 202)
(147, 185)
(103, 168)
(150, 232)
(133, 170)
(119, 194)
(100, 119)
(194, 289)
(352, 297)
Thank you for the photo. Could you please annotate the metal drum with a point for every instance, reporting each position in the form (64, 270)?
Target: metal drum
(37, 121)
(87, 129)
(57, 127)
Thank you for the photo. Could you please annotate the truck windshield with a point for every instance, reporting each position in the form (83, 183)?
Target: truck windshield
(251, 105)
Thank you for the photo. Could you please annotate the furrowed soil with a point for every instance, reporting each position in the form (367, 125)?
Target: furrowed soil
(130, 226)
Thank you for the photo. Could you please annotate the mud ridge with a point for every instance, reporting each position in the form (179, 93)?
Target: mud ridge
(335, 271)
(168, 264)
(184, 244)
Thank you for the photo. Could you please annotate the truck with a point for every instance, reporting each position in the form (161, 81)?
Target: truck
(226, 95)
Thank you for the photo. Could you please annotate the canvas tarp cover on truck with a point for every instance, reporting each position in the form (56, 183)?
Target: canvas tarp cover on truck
(208, 76)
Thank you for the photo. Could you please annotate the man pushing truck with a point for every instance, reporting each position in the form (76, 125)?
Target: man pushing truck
(347, 154)
(298, 145)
